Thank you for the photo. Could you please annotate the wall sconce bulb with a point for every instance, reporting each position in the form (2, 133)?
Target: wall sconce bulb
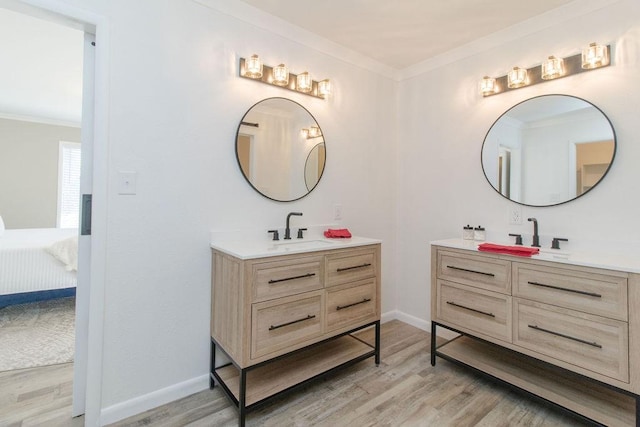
(253, 67)
(552, 68)
(517, 78)
(594, 56)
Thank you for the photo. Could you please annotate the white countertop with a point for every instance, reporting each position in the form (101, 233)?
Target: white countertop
(620, 262)
(250, 249)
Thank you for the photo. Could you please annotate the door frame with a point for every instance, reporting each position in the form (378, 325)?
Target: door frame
(91, 313)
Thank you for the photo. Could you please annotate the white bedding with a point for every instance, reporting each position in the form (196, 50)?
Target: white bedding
(26, 264)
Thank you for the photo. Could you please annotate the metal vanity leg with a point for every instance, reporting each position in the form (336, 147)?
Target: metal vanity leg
(212, 383)
(243, 395)
(433, 343)
(377, 356)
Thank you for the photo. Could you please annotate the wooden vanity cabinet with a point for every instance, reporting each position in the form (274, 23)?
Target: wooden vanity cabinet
(565, 333)
(285, 320)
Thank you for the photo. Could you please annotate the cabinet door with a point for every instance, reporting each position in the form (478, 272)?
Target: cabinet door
(350, 266)
(480, 271)
(291, 276)
(590, 291)
(591, 342)
(281, 325)
(351, 305)
(475, 311)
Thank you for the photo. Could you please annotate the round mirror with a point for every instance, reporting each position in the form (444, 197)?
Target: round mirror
(548, 150)
(277, 148)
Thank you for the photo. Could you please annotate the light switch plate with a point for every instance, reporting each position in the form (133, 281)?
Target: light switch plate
(127, 182)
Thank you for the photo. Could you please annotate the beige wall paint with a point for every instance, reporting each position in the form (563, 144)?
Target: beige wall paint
(29, 172)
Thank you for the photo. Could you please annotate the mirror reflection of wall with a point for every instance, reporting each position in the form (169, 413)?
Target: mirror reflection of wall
(272, 150)
(548, 150)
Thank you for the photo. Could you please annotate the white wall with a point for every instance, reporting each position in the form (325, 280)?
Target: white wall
(29, 172)
(174, 106)
(441, 186)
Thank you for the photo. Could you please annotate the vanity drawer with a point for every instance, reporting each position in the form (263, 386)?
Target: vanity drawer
(350, 266)
(284, 323)
(292, 276)
(474, 310)
(351, 304)
(594, 293)
(594, 343)
(478, 271)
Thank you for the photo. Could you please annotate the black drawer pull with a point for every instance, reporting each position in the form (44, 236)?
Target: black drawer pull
(342, 307)
(470, 271)
(292, 278)
(310, 316)
(355, 266)
(592, 344)
(471, 309)
(591, 294)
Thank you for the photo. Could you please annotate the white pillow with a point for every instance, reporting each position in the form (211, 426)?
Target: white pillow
(66, 251)
(1, 226)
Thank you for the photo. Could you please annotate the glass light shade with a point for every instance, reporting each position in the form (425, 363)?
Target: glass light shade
(516, 78)
(314, 131)
(594, 56)
(253, 67)
(305, 133)
(552, 68)
(280, 75)
(488, 86)
(304, 83)
(324, 88)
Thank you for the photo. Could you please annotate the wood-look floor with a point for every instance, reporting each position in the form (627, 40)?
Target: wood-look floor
(405, 390)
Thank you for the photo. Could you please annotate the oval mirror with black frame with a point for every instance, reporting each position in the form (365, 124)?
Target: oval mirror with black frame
(548, 150)
(274, 142)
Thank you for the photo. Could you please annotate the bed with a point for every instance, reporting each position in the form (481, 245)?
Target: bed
(37, 264)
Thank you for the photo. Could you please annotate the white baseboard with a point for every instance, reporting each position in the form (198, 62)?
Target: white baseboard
(152, 400)
(425, 325)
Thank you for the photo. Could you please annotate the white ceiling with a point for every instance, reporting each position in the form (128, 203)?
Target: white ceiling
(403, 33)
(40, 70)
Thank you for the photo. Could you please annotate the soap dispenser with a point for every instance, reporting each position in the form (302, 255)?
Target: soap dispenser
(467, 232)
(479, 233)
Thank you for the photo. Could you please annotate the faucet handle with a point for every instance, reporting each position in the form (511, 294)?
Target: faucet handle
(518, 238)
(300, 230)
(555, 243)
(276, 236)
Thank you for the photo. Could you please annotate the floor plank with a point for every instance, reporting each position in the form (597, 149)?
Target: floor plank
(405, 390)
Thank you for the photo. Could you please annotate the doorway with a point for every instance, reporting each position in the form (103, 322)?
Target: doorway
(89, 328)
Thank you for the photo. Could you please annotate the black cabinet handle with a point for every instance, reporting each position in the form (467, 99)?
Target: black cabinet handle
(292, 278)
(471, 309)
(558, 334)
(575, 291)
(310, 316)
(342, 307)
(470, 271)
(351, 268)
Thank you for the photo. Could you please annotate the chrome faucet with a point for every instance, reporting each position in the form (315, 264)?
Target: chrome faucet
(536, 238)
(287, 231)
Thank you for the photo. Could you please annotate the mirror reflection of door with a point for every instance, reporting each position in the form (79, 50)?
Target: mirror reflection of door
(504, 171)
(314, 166)
(592, 162)
(244, 154)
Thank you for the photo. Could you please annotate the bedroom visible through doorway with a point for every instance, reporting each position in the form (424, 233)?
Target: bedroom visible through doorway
(40, 147)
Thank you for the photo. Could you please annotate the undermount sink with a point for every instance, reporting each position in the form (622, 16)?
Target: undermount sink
(302, 244)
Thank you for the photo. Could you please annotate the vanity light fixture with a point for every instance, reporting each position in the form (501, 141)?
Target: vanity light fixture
(324, 87)
(305, 133)
(314, 132)
(552, 68)
(488, 86)
(595, 56)
(592, 57)
(303, 82)
(253, 68)
(281, 75)
(516, 78)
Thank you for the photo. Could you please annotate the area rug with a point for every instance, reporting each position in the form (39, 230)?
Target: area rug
(37, 334)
